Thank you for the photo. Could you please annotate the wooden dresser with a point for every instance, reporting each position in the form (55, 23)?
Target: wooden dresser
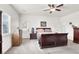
(53, 40)
(17, 38)
(76, 35)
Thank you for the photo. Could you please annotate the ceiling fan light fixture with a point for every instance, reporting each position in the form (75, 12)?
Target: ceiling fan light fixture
(53, 9)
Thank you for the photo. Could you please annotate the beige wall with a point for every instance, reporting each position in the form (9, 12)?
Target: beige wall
(74, 18)
(14, 24)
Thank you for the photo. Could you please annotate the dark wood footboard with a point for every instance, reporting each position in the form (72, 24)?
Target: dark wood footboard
(53, 40)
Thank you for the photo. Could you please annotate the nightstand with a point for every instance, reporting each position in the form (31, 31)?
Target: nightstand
(33, 36)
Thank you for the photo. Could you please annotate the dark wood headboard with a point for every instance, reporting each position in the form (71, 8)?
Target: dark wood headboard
(45, 29)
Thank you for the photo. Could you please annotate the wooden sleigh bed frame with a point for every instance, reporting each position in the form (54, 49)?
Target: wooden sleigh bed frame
(51, 39)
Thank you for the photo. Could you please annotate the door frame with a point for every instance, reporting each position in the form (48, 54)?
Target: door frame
(0, 32)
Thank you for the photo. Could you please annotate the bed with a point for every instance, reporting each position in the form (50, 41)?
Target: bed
(50, 39)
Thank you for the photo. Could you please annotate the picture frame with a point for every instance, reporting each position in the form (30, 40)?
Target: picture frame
(43, 23)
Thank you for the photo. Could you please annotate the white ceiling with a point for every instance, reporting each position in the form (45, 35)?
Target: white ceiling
(38, 9)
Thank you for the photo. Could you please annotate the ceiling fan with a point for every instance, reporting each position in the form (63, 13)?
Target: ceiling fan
(53, 7)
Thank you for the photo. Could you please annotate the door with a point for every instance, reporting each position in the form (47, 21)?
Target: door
(0, 32)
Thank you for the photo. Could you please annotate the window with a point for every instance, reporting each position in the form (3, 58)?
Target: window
(5, 23)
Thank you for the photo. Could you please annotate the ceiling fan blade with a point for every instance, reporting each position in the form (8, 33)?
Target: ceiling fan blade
(53, 6)
(46, 10)
(60, 5)
(50, 12)
(49, 5)
(57, 9)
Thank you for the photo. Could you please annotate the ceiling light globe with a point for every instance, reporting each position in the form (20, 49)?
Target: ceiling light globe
(52, 9)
